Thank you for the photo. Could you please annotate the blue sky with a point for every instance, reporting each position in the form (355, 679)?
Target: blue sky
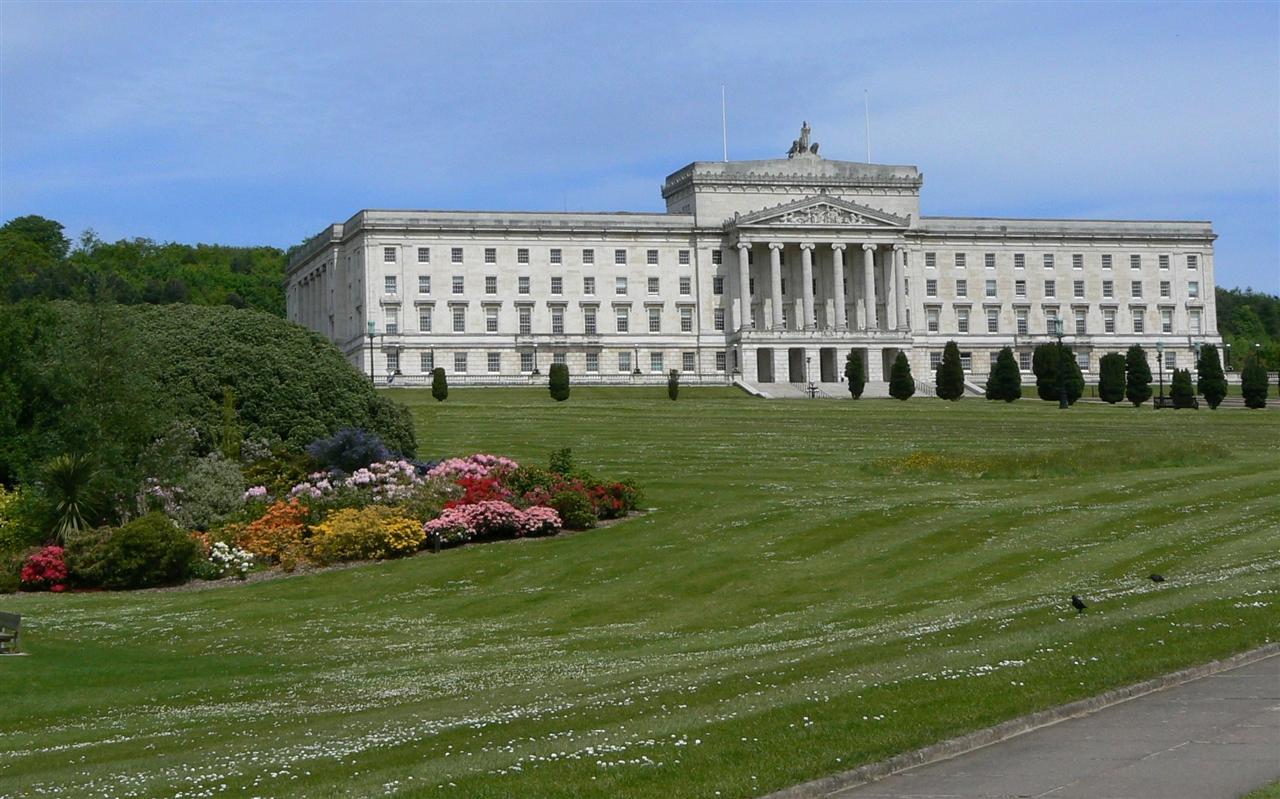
(245, 123)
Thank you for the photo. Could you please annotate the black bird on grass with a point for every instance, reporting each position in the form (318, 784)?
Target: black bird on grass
(1078, 604)
(1157, 578)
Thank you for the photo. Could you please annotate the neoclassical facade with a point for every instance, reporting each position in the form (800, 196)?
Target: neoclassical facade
(766, 273)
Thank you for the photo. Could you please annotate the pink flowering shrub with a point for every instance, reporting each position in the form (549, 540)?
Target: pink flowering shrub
(45, 570)
(386, 481)
(479, 465)
(491, 519)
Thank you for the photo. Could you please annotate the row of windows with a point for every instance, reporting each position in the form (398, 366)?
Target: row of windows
(524, 285)
(1024, 360)
(555, 255)
(1051, 288)
(1077, 260)
(1022, 325)
(524, 320)
(621, 360)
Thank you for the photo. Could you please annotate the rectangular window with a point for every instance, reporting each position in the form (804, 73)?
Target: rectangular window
(1020, 288)
(722, 361)
(931, 260)
(393, 362)
(960, 260)
(589, 285)
(589, 321)
(494, 361)
(1108, 289)
(1077, 261)
(1082, 321)
(557, 320)
(991, 288)
(1195, 321)
(1106, 261)
(557, 285)
(931, 319)
(686, 286)
(1023, 326)
(620, 257)
(490, 255)
(655, 362)
(1171, 360)
(931, 287)
(389, 255)
(1164, 261)
(426, 362)
(490, 284)
(653, 285)
(392, 321)
(966, 361)
(1024, 361)
(522, 255)
(424, 319)
(593, 362)
(1193, 289)
(1166, 320)
(1082, 360)
(624, 362)
(935, 360)
(1135, 261)
(1135, 288)
(556, 257)
(620, 285)
(522, 284)
(717, 285)
(1193, 262)
(459, 318)
(655, 320)
(1077, 289)
(622, 319)
(491, 319)
(389, 284)
(424, 255)
(1051, 321)
(1019, 261)
(686, 320)
(459, 286)
(684, 258)
(651, 257)
(989, 260)
(1166, 289)
(687, 362)
(1109, 320)
(559, 357)
(1139, 320)
(717, 257)
(962, 287)
(460, 363)
(588, 256)
(1048, 260)
(424, 284)
(1050, 288)
(455, 256)
(718, 317)
(993, 320)
(962, 320)
(526, 362)
(526, 320)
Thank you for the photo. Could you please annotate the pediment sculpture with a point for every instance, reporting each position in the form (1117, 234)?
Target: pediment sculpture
(822, 215)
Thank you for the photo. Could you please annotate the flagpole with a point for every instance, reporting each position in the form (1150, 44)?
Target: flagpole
(724, 123)
(866, 110)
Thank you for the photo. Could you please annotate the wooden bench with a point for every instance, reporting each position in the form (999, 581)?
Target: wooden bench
(10, 633)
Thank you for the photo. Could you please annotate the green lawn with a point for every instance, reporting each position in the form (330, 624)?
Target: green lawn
(805, 596)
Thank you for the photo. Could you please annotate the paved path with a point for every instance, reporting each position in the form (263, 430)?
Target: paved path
(1215, 737)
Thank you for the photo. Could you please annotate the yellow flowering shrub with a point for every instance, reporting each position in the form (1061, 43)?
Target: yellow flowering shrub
(374, 532)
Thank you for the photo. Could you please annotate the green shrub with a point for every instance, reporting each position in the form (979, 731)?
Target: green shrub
(280, 471)
(11, 569)
(439, 384)
(949, 378)
(1210, 380)
(673, 384)
(1137, 387)
(212, 491)
(558, 382)
(1253, 383)
(1048, 362)
(1111, 377)
(145, 552)
(20, 525)
(901, 385)
(1005, 380)
(561, 461)
(426, 500)
(1180, 390)
(575, 509)
(855, 374)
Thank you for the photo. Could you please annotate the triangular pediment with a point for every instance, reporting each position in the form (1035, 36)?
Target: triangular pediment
(821, 211)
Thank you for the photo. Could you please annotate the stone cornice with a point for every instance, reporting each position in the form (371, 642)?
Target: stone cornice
(761, 181)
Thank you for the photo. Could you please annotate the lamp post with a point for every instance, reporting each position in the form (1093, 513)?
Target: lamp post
(635, 372)
(373, 331)
(1160, 364)
(1226, 346)
(1196, 347)
(808, 377)
(535, 371)
(1063, 403)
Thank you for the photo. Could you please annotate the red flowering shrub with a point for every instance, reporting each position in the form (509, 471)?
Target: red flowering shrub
(45, 570)
(614, 500)
(480, 489)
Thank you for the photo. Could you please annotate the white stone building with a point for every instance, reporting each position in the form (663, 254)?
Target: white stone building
(759, 272)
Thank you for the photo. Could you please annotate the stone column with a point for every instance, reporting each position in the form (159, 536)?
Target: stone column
(775, 282)
(806, 275)
(900, 283)
(869, 283)
(837, 284)
(890, 290)
(744, 287)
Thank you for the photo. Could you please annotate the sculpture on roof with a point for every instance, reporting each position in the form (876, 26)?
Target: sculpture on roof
(801, 145)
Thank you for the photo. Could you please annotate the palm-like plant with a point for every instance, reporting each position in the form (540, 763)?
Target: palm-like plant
(68, 479)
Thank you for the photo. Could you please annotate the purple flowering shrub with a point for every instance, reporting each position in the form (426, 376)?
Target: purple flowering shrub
(348, 450)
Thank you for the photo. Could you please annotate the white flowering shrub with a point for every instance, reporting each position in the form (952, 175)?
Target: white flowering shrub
(227, 559)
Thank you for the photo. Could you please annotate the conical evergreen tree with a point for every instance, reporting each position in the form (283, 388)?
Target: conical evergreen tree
(901, 385)
(1075, 378)
(1253, 383)
(1044, 364)
(1180, 390)
(1005, 381)
(1111, 377)
(949, 379)
(673, 384)
(1210, 381)
(1137, 388)
(439, 384)
(855, 374)
(558, 382)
